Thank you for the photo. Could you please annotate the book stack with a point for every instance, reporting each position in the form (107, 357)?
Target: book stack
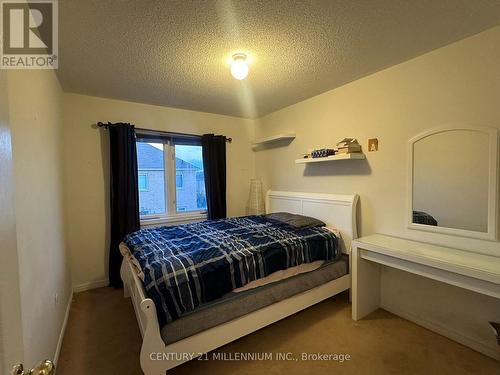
(348, 146)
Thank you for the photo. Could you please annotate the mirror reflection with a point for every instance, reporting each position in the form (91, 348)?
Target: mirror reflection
(450, 180)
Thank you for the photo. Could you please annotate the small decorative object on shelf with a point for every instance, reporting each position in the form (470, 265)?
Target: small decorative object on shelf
(346, 149)
(324, 152)
(347, 146)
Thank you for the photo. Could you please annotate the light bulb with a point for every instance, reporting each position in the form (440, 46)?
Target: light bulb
(239, 67)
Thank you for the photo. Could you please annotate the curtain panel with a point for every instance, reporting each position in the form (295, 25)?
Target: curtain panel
(124, 193)
(214, 166)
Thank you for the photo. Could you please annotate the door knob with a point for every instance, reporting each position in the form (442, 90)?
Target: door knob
(18, 370)
(45, 367)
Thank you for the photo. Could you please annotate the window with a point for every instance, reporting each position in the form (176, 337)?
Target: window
(143, 182)
(170, 176)
(178, 181)
(151, 174)
(190, 181)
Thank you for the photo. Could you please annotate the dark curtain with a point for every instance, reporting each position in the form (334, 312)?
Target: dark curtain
(214, 165)
(124, 193)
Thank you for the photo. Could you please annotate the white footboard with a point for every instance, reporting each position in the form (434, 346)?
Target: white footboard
(145, 312)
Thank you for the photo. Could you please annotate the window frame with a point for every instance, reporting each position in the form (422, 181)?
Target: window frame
(171, 216)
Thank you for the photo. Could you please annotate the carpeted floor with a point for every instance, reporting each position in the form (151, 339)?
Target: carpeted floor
(102, 338)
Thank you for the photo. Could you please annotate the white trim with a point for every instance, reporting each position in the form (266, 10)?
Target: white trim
(90, 285)
(170, 188)
(338, 210)
(491, 233)
(444, 331)
(181, 218)
(63, 330)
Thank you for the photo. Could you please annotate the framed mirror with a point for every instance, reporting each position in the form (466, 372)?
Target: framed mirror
(453, 183)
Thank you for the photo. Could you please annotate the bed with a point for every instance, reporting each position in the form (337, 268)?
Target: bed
(206, 321)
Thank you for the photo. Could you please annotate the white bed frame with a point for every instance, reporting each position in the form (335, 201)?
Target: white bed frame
(338, 211)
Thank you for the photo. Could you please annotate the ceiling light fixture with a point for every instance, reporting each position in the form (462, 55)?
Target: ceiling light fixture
(239, 66)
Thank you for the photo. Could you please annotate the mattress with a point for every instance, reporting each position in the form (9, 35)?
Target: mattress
(234, 305)
(281, 275)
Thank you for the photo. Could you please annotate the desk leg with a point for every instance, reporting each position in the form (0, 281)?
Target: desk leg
(365, 285)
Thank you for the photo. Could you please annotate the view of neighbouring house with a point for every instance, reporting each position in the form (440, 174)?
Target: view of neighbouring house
(189, 182)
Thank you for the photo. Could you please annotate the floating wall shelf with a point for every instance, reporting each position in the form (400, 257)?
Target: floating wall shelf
(356, 155)
(274, 138)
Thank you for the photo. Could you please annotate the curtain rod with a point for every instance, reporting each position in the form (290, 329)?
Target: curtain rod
(105, 126)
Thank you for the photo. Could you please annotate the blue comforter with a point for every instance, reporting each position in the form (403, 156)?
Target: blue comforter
(185, 266)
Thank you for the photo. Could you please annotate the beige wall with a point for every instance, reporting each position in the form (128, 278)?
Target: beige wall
(455, 84)
(87, 165)
(36, 125)
(11, 332)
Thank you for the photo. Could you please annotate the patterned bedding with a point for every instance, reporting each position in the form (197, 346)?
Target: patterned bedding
(187, 265)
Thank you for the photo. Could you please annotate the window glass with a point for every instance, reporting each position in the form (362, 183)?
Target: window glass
(190, 180)
(151, 178)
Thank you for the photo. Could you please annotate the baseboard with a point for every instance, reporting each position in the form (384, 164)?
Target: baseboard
(63, 330)
(445, 331)
(90, 285)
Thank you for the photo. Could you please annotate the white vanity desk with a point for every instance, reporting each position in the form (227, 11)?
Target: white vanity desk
(452, 193)
(476, 272)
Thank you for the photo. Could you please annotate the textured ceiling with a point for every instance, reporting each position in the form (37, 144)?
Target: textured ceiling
(175, 53)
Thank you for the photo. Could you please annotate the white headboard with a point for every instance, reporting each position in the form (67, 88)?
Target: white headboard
(337, 211)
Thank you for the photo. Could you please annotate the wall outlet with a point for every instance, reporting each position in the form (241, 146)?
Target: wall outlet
(56, 299)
